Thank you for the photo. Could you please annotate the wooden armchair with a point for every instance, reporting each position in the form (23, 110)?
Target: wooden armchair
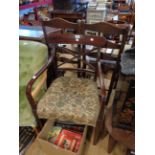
(73, 94)
(110, 56)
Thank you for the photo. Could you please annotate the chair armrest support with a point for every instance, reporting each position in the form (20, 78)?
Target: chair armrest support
(40, 84)
(101, 82)
(33, 80)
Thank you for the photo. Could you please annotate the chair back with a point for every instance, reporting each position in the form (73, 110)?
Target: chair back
(115, 34)
(79, 41)
(63, 24)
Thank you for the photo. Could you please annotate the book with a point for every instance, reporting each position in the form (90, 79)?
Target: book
(69, 140)
(53, 134)
(71, 127)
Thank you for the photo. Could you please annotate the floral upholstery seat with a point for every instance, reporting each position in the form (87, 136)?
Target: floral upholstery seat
(71, 98)
(32, 56)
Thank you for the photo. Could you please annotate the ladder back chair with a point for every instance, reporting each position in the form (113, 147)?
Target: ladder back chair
(73, 94)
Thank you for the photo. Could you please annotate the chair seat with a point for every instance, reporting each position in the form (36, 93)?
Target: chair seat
(71, 98)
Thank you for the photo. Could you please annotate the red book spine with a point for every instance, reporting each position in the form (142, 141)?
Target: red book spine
(69, 140)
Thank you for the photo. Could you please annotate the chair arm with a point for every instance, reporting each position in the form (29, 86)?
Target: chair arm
(39, 85)
(30, 95)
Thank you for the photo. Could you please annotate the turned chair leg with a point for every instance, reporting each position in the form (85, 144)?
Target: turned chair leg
(111, 144)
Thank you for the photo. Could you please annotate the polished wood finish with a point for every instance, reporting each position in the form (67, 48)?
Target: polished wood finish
(78, 39)
(108, 30)
(64, 25)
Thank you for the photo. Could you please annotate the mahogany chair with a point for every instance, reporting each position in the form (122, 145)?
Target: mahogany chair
(117, 36)
(73, 94)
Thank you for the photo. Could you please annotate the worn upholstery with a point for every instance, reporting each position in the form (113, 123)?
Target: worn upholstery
(71, 99)
(32, 56)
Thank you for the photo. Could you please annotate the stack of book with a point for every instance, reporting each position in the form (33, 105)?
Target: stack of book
(67, 136)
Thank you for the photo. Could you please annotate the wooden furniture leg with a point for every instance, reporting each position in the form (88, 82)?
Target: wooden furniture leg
(111, 86)
(111, 144)
(36, 131)
(97, 132)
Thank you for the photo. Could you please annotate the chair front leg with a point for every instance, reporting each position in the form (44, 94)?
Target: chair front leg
(99, 129)
(97, 132)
